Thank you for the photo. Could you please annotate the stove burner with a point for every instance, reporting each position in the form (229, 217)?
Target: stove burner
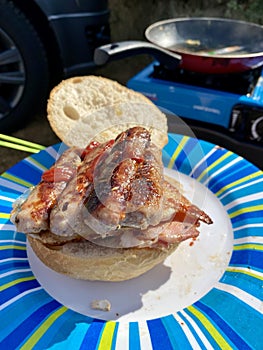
(237, 83)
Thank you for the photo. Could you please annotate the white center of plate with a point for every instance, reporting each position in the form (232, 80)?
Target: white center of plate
(185, 276)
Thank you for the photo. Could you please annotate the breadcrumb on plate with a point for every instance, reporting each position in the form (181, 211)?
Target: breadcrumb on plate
(103, 305)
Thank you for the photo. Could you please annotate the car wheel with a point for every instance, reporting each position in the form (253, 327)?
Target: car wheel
(23, 68)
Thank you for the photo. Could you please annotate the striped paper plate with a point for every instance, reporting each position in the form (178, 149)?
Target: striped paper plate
(227, 316)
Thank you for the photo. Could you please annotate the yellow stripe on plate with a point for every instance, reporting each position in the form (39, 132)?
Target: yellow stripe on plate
(238, 182)
(107, 335)
(253, 246)
(213, 165)
(4, 215)
(16, 179)
(32, 341)
(219, 339)
(12, 246)
(177, 151)
(17, 281)
(245, 272)
(37, 164)
(246, 210)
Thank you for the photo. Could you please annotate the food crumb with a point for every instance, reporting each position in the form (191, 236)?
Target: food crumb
(103, 305)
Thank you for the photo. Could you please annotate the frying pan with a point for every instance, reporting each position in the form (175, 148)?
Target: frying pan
(204, 45)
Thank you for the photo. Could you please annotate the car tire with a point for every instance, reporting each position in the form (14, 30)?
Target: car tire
(24, 73)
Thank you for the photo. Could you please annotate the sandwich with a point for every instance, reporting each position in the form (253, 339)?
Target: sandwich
(105, 210)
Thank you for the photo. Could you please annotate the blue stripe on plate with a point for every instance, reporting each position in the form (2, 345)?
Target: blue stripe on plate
(49, 155)
(223, 161)
(17, 289)
(23, 169)
(251, 231)
(13, 265)
(55, 336)
(230, 188)
(240, 191)
(251, 174)
(7, 196)
(202, 169)
(47, 160)
(14, 276)
(114, 335)
(29, 173)
(229, 175)
(17, 312)
(13, 253)
(246, 282)
(17, 236)
(247, 221)
(184, 159)
(247, 258)
(213, 341)
(92, 336)
(193, 331)
(169, 149)
(13, 237)
(196, 155)
(15, 244)
(246, 324)
(3, 221)
(134, 336)
(11, 186)
(67, 332)
(229, 178)
(175, 333)
(15, 338)
(158, 334)
(4, 209)
(199, 170)
(228, 331)
(195, 152)
(59, 147)
(248, 215)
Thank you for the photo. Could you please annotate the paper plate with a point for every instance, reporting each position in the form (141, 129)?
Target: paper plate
(217, 306)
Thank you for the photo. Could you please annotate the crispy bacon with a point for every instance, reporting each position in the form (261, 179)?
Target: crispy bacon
(32, 215)
(180, 221)
(90, 147)
(179, 208)
(128, 188)
(65, 217)
(58, 174)
(113, 194)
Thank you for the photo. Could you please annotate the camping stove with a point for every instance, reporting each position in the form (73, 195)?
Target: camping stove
(223, 109)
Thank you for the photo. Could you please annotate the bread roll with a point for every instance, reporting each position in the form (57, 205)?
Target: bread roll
(87, 261)
(82, 109)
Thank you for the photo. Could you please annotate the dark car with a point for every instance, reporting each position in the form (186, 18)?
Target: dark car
(41, 42)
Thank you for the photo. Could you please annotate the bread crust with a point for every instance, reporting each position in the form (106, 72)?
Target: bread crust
(86, 108)
(87, 261)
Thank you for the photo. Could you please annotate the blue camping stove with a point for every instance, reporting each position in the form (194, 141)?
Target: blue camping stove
(223, 109)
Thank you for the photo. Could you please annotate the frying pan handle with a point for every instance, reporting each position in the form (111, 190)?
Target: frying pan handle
(118, 50)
